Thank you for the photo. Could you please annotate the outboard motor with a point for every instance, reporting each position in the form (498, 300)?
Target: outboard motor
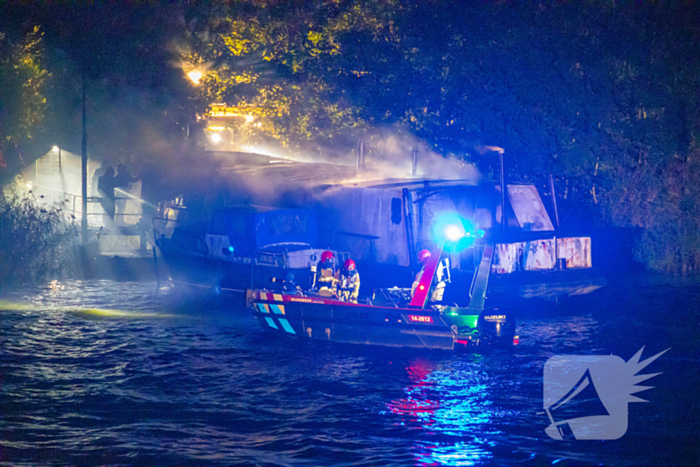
(496, 326)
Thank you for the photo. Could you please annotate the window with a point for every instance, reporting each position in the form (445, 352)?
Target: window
(396, 206)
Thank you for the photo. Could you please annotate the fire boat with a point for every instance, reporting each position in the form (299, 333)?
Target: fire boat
(392, 317)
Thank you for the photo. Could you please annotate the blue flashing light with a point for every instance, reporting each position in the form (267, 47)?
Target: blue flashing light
(454, 232)
(230, 248)
(458, 232)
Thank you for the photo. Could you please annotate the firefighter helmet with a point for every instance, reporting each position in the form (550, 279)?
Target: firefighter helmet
(326, 256)
(423, 255)
(349, 265)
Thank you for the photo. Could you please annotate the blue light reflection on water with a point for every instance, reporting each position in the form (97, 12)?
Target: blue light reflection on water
(453, 403)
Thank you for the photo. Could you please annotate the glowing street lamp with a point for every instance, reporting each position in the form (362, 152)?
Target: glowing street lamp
(220, 134)
(195, 76)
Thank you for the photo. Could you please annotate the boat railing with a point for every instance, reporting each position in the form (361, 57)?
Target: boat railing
(281, 258)
(164, 226)
(266, 258)
(393, 296)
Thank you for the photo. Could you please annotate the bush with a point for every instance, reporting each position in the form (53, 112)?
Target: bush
(37, 240)
(661, 200)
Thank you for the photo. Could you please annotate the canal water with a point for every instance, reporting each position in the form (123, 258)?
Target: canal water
(108, 373)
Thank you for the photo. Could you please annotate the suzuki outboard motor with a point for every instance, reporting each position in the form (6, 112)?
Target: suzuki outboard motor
(496, 326)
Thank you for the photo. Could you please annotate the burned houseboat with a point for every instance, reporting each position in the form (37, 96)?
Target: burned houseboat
(381, 221)
(241, 247)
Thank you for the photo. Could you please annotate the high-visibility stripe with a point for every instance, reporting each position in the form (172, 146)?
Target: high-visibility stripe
(271, 323)
(277, 297)
(263, 296)
(287, 327)
(261, 307)
(279, 309)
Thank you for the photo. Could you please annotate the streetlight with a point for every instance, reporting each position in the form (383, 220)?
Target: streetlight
(195, 76)
(504, 219)
(217, 134)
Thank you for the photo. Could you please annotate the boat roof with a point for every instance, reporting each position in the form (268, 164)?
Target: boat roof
(316, 174)
(249, 208)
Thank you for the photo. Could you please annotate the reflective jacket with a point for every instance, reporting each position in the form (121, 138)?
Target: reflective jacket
(440, 280)
(349, 286)
(326, 279)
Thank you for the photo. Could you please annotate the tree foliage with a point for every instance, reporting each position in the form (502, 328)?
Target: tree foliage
(23, 81)
(599, 95)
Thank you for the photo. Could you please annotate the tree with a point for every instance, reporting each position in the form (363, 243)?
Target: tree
(284, 65)
(23, 81)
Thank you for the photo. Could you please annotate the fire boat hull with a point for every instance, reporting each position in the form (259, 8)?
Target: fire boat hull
(328, 320)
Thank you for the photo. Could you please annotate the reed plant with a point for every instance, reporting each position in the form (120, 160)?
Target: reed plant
(38, 240)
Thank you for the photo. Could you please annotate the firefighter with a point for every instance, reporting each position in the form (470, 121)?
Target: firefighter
(349, 282)
(423, 257)
(327, 277)
(289, 284)
(440, 279)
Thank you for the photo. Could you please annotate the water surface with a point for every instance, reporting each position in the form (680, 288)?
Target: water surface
(107, 373)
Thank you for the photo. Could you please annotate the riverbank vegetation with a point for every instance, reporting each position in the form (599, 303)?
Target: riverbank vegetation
(38, 241)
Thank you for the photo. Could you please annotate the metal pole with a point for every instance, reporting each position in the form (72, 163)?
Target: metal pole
(59, 158)
(155, 260)
(503, 194)
(414, 155)
(362, 152)
(554, 198)
(84, 224)
(360, 155)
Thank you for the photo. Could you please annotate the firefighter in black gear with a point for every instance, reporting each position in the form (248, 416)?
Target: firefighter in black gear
(349, 282)
(289, 284)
